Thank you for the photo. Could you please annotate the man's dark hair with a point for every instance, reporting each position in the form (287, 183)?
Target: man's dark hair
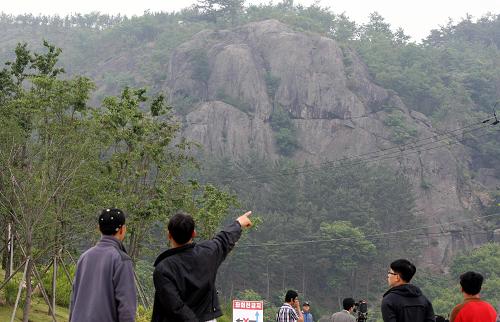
(471, 282)
(347, 303)
(181, 227)
(110, 221)
(404, 268)
(290, 295)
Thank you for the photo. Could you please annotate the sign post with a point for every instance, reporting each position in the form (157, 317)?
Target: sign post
(248, 311)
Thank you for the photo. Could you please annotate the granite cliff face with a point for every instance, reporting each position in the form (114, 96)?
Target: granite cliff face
(238, 76)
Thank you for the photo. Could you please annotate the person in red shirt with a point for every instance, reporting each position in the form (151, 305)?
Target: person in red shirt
(473, 309)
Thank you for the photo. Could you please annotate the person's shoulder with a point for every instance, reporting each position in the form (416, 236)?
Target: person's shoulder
(117, 254)
(487, 305)
(389, 297)
(88, 252)
(456, 310)
(124, 256)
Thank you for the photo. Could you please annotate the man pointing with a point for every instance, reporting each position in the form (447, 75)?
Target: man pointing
(184, 276)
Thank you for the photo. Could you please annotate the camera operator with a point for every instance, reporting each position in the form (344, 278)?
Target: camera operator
(346, 314)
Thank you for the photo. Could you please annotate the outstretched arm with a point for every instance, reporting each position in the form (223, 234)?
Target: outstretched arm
(225, 240)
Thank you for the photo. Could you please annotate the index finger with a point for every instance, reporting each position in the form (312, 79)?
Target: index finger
(248, 213)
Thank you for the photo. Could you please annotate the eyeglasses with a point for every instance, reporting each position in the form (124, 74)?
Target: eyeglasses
(392, 273)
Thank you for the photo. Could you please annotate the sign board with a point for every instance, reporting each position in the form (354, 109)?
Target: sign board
(248, 311)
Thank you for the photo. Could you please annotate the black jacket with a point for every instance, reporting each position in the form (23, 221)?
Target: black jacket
(406, 303)
(184, 279)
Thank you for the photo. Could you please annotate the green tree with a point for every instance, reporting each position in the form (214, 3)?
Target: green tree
(344, 261)
(225, 10)
(484, 260)
(44, 149)
(141, 161)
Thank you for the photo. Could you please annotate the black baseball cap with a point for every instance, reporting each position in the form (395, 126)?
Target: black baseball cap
(306, 303)
(111, 220)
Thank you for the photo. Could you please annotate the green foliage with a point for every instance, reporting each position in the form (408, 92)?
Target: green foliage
(272, 84)
(46, 150)
(280, 119)
(351, 251)
(213, 207)
(221, 11)
(144, 271)
(59, 159)
(143, 314)
(285, 131)
(201, 66)
(63, 285)
(484, 260)
(286, 140)
(144, 170)
(10, 291)
(345, 204)
(401, 131)
(314, 18)
(444, 291)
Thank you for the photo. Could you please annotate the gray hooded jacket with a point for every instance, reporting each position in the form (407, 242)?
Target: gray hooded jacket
(104, 286)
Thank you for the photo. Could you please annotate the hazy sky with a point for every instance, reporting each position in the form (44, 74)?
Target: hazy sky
(416, 17)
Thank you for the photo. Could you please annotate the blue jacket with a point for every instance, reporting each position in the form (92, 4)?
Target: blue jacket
(104, 286)
(308, 317)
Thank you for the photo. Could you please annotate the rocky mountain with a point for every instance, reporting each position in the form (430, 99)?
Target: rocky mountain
(238, 77)
(228, 84)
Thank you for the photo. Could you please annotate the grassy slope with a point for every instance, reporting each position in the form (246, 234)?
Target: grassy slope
(38, 310)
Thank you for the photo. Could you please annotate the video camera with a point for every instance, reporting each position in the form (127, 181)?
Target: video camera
(361, 310)
(440, 318)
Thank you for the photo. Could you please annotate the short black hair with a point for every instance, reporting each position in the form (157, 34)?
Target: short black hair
(110, 221)
(404, 268)
(181, 227)
(471, 282)
(290, 295)
(347, 303)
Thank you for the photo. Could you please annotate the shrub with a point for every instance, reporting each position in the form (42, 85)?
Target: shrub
(401, 131)
(63, 287)
(143, 314)
(10, 291)
(285, 131)
(201, 66)
(286, 140)
(272, 85)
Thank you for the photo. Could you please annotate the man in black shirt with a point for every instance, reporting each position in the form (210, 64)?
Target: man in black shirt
(404, 302)
(184, 276)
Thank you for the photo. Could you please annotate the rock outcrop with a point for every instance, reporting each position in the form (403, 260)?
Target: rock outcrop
(238, 76)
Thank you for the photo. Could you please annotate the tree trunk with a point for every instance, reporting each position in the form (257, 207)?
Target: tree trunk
(29, 290)
(12, 249)
(54, 283)
(268, 281)
(20, 290)
(132, 246)
(6, 252)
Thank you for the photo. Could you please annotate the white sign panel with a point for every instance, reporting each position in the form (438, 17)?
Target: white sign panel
(248, 311)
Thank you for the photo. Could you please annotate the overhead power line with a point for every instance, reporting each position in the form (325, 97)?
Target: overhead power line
(369, 157)
(378, 235)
